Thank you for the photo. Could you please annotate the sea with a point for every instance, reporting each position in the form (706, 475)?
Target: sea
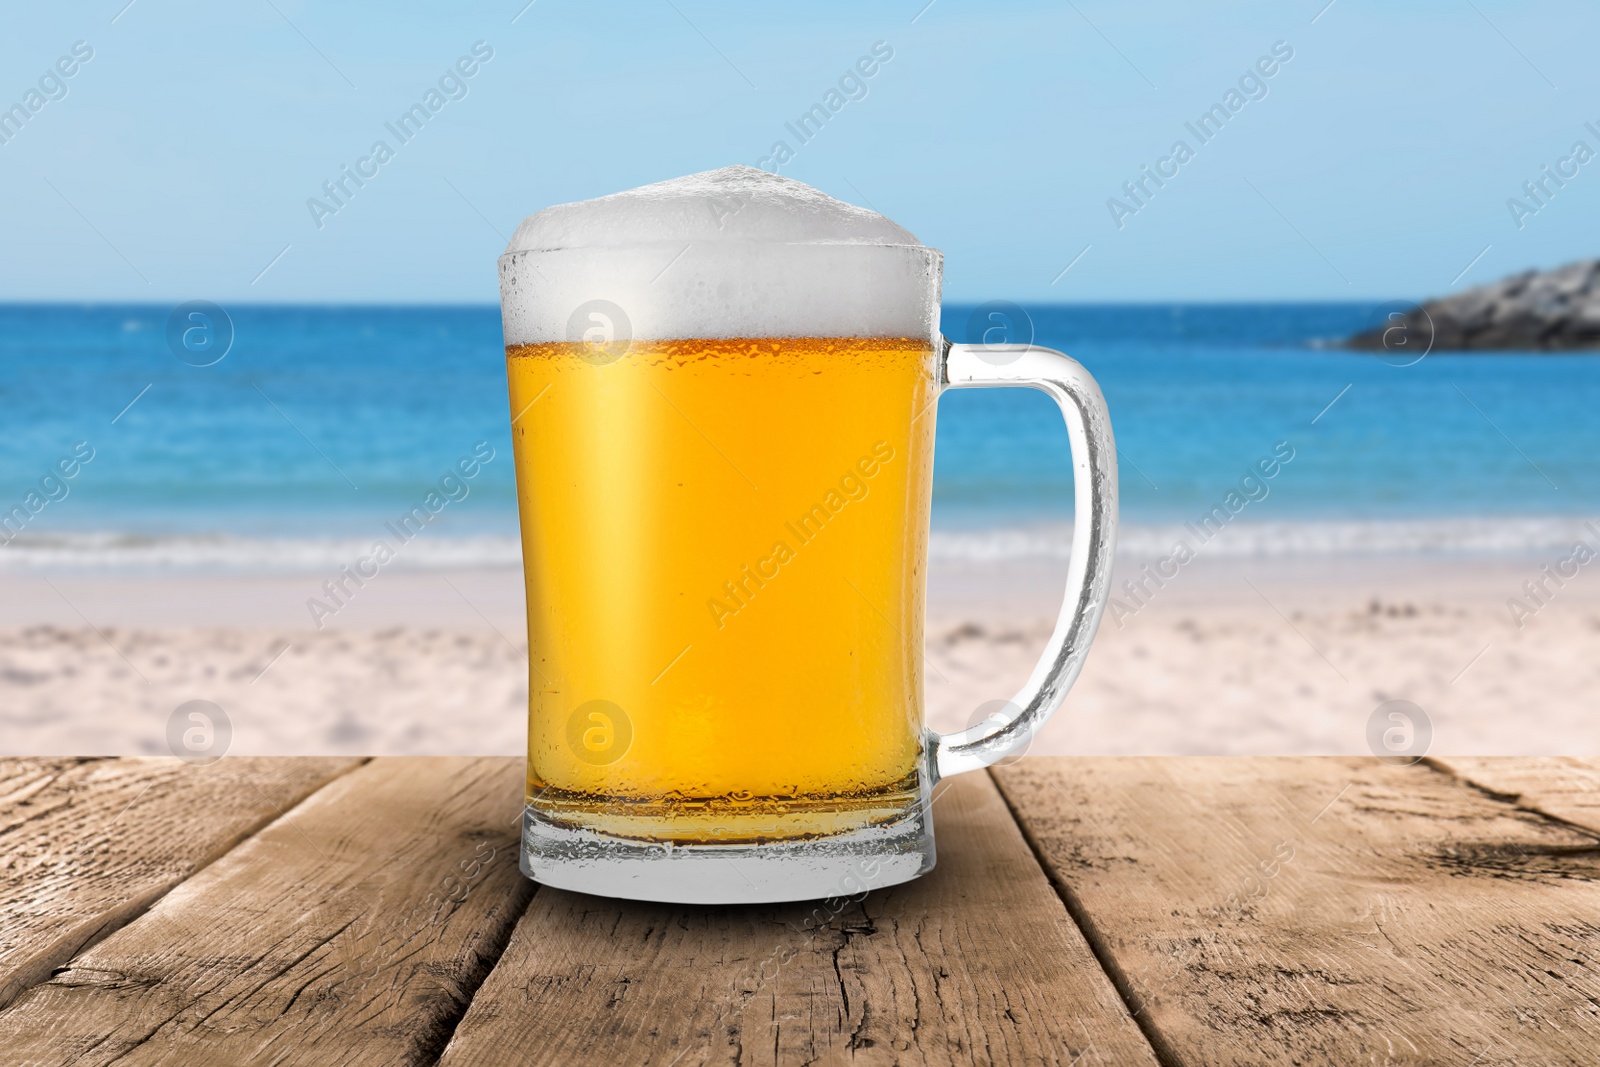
(267, 437)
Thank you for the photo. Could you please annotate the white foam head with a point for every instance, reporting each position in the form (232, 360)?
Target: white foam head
(718, 206)
(736, 252)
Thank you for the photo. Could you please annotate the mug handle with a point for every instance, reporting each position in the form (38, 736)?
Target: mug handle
(1094, 534)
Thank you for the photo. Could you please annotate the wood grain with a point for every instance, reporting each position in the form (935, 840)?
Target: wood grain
(353, 931)
(977, 962)
(1566, 787)
(86, 845)
(1298, 911)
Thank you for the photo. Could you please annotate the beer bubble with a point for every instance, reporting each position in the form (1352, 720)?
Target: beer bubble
(599, 732)
(602, 330)
(1399, 730)
(1004, 327)
(199, 732)
(200, 333)
(997, 712)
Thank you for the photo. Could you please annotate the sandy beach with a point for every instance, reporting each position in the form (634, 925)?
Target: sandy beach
(1237, 656)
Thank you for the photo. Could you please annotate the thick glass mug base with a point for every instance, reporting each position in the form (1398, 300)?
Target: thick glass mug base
(565, 855)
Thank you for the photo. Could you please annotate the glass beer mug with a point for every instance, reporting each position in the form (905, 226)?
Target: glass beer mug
(722, 396)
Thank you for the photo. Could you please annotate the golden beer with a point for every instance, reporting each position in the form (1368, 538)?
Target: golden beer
(723, 543)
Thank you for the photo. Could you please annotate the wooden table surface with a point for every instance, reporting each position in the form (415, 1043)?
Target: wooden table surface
(1084, 911)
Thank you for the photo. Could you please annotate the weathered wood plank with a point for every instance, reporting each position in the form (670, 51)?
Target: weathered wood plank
(1567, 787)
(86, 845)
(353, 931)
(977, 962)
(1294, 911)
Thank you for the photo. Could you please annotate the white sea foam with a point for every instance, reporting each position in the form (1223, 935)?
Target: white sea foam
(736, 252)
(112, 551)
(1465, 535)
(1474, 536)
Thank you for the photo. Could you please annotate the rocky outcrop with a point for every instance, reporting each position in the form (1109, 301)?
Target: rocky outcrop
(1542, 310)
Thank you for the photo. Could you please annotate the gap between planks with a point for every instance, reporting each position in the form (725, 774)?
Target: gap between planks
(1365, 927)
(975, 962)
(328, 936)
(115, 910)
(1165, 1054)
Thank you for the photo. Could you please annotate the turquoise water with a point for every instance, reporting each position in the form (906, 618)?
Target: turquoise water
(320, 423)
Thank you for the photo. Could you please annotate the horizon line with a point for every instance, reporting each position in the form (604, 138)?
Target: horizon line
(472, 305)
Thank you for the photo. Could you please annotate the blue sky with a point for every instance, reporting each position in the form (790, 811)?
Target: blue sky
(1378, 164)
